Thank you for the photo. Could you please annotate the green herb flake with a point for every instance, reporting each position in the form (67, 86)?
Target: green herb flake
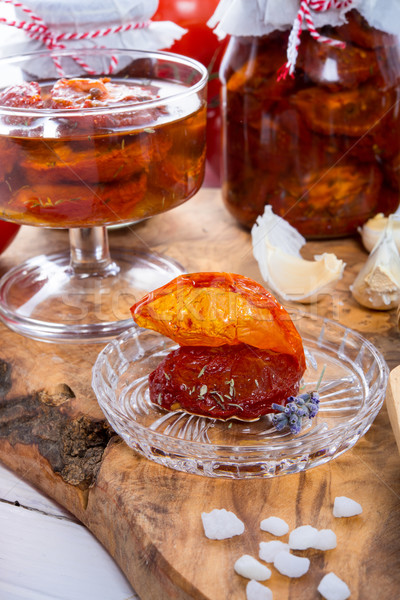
(202, 371)
(220, 396)
(118, 171)
(203, 390)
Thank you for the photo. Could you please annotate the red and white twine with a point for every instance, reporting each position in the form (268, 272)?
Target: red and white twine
(36, 28)
(304, 15)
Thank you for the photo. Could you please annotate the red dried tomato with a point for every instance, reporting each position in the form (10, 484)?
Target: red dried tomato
(229, 381)
(22, 95)
(350, 68)
(342, 112)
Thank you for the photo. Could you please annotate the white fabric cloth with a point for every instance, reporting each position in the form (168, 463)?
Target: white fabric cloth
(382, 14)
(70, 16)
(260, 17)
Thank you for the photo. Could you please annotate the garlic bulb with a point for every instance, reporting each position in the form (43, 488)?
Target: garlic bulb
(377, 285)
(276, 247)
(372, 230)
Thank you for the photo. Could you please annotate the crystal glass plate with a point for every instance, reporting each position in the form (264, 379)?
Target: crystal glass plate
(352, 391)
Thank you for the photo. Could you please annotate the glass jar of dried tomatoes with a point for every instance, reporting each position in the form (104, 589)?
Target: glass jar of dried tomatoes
(311, 112)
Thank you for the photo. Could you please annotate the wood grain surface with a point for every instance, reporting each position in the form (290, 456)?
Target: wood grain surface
(53, 434)
(393, 402)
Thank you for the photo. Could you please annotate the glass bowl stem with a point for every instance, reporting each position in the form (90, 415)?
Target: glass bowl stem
(90, 253)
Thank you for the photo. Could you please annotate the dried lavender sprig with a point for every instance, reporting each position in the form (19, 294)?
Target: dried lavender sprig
(297, 408)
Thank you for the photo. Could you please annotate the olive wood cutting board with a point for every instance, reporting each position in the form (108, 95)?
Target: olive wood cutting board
(53, 434)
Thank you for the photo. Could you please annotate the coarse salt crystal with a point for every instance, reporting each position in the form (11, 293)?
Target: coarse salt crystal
(346, 507)
(306, 536)
(257, 591)
(274, 525)
(221, 524)
(331, 587)
(303, 537)
(250, 567)
(268, 550)
(290, 564)
(326, 540)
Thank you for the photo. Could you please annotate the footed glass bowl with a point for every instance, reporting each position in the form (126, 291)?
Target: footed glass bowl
(352, 391)
(91, 139)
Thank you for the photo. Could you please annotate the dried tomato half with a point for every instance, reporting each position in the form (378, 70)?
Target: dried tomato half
(22, 95)
(333, 67)
(74, 204)
(225, 382)
(89, 93)
(340, 198)
(352, 112)
(99, 159)
(214, 309)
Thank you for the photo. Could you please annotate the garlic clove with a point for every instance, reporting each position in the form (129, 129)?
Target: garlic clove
(276, 247)
(377, 285)
(301, 280)
(373, 229)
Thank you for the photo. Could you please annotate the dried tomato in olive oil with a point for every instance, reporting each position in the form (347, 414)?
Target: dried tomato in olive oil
(320, 147)
(98, 167)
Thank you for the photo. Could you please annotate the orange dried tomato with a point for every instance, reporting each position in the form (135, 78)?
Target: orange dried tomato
(75, 204)
(97, 159)
(82, 93)
(214, 309)
(89, 93)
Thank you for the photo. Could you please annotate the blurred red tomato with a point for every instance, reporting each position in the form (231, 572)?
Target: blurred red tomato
(8, 231)
(200, 43)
